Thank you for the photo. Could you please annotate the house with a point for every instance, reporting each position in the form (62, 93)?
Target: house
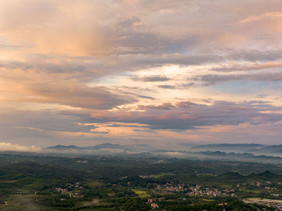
(151, 201)
(154, 205)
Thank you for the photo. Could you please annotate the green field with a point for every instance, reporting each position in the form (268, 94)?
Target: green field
(141, 193)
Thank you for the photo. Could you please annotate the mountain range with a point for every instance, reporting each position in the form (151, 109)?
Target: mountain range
(137, 147)
(242, 148)
(212, 151)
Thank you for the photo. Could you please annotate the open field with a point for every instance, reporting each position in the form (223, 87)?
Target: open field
(141, 193)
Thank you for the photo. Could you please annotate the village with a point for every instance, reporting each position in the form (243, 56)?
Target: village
(196, 190)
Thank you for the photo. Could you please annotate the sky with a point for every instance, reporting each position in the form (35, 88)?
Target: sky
(162, 72)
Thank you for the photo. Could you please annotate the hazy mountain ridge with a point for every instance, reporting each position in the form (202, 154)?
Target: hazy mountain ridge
(203, 152)
(244, 149)
(270, 149)
(103, 146)
(230, 146)
(257, 149)
(63, 147)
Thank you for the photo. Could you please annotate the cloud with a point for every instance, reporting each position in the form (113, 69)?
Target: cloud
(247, 68)
(43, 121)
(63, 61)
(189, 115)
(212, 79)
(165, 106)
(137, 62)
(167, 86)
(77, 95)
(45, 126)
(178, 86)
(15, 147)
(268, 15)
(154, 78)
(91, 28)
(54, 27)
(35, 86)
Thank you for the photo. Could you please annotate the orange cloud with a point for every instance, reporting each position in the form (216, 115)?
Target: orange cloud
(54, 27)
(34, 86)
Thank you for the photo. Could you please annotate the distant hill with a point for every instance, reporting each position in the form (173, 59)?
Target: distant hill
(257, 149)
(229, 147)
(63, 147)
(143, 147)
(265, 175)
(239, 156)
(231, 175)
(107, 146)
(273, 149)
(259, 176)
(238, 152)
(99, 146)
(104, 146)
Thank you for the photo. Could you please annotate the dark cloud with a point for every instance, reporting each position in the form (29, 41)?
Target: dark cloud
(39, 87)
(146, 97)
(164, 106)
(40, 127)
(211, 79)
(255, 55)
(149, 43)
(137, 62)
(189, 115)
(89, 68)
(44, 121)
(178, 86)
(185, 104)
(167, 87)
(81, 96)
(154, 78)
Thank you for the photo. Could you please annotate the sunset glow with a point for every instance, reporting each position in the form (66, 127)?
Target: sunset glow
(159, 72)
